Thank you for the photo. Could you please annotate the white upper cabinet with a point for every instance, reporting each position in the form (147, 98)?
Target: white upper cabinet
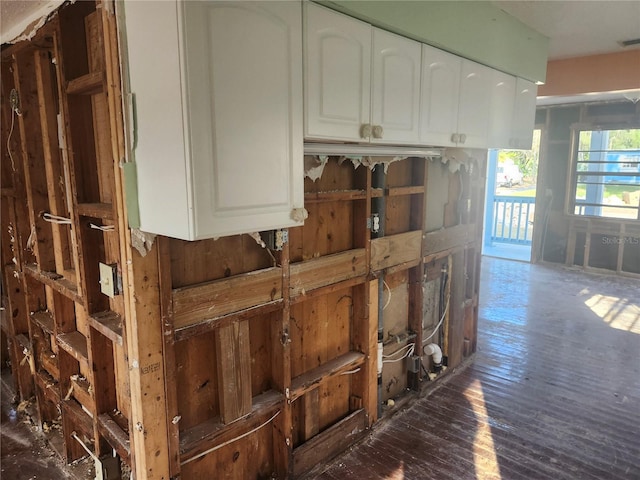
(439, 96)
(503, 90)
(474, 104)
(217, 88)
(395, 111)
(455, 100)
(524, 114)
(361, 83)
(337, 70)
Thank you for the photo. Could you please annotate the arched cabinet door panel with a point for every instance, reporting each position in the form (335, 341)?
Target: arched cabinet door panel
(217, 88)
(439, 97)
(337, 68)
(395, 89)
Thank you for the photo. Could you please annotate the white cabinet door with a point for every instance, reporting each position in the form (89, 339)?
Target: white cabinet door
(219, 149)
(395, 89)
(475, 104)
(439, 96)
(503, 92)
(524, 114)
(337, 68)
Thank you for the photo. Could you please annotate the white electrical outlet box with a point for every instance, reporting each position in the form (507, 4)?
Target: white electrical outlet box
(109, 279)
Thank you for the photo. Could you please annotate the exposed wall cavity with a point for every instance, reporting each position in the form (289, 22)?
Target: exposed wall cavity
(314, 164)
(22, 19)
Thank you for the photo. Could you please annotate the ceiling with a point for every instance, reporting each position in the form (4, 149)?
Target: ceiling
(576, 27)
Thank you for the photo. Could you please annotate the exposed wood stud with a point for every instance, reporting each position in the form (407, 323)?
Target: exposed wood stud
(234, 370)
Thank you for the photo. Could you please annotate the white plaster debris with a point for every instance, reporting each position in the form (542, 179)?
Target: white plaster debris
(142, 241)
(371, 162)
(256, 236)
(458, 158)
(314, 166)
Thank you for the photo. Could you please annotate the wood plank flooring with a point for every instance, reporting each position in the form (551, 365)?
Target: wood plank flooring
(554, 392)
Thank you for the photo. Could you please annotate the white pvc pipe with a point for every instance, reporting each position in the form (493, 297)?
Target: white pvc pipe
(434, 350)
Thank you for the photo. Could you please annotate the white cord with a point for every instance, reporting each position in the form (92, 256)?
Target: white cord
(91, 454)
(224, 444)
(47, 217)
(104, 228)
(444, 314)
(351, 372)
(408, 345)
(408, 354)
(13, 117)
(388, 299)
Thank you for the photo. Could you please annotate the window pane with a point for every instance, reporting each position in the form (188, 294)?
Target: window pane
(607, 174)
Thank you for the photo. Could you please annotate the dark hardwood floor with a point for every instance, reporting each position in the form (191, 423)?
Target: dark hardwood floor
(553, 393)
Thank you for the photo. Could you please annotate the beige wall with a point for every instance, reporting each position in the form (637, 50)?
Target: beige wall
(591, 74)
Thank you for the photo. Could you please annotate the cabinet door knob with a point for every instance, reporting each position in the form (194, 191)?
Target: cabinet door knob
(455, 138)
(365, 130)
(463, 137)
(377, 131)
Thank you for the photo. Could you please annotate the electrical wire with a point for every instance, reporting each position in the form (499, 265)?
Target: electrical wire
(408, 354)
(48, 217)
(104, 228)
(388, 299)
(13, 118)
(408, 345)
(351, 372)
(444, 314)
(224, 444)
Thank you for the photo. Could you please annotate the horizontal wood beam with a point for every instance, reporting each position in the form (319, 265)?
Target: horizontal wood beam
(327, 270)
(198, 440)
(395, 249)
(329, 443)
(210, 324)
(314, 377)
(195, 304)
(449, 238)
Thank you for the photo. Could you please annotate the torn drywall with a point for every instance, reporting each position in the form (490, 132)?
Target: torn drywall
(465, 158)
(142, 241)
(314, 166)
(21, 20)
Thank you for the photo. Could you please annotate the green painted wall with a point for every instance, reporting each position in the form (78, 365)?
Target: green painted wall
(476, 30)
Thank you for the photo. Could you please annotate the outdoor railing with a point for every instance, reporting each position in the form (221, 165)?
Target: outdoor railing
(513, 219)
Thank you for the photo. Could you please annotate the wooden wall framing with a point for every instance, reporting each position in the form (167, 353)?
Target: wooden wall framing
(216, 355)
